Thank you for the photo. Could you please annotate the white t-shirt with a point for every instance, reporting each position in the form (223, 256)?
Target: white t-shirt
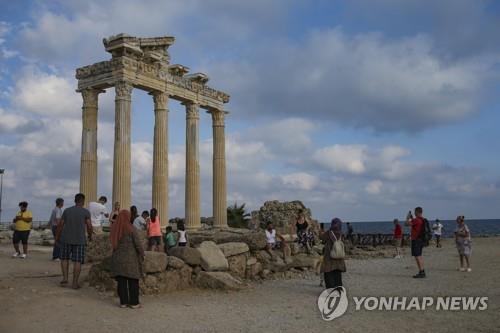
(97, 212)
(437, 227)
(271, 236)
(140, 223)
(182, 236)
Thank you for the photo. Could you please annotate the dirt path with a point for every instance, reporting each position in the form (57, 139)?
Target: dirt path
(32, 301)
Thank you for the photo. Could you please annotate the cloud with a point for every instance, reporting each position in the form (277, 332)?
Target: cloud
(46, 94)
(365, 80)
(342, 158)
(12, 123)
(374, 187)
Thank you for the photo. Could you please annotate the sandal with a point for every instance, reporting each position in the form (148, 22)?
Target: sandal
(138, 306)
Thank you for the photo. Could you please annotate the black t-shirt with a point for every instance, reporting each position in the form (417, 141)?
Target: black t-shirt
(73, 231)
(301, 226)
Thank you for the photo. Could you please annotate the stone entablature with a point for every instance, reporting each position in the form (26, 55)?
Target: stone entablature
(144, 62)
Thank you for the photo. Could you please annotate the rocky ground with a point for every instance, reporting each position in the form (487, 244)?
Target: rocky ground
(32, 301)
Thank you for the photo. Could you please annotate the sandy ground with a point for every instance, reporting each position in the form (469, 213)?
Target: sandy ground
(32, 301)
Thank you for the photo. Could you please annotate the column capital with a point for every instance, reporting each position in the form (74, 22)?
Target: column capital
(89, 96)
(192, 110)
(123, 89)
(160, 99)
(218, 117)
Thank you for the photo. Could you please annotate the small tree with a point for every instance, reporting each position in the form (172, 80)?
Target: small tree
(236, 216)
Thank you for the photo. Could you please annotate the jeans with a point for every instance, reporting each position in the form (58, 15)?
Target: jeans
(56, 252)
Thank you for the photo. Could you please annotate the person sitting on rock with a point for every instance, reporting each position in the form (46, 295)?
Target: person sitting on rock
(305, 237)
(272, 243)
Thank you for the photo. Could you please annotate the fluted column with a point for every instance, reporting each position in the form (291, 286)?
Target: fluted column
(88, 161)
(121, 162)
(192, 200)
(160, 156)
(219, 170)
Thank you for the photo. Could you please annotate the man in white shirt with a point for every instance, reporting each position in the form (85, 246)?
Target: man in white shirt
(98, 213)
(437, 227)
(55, 218)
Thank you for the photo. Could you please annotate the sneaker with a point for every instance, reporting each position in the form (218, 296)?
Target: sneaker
(420, 275)
(16, 255)
(461, 269)
(469, 269)
(22, 256)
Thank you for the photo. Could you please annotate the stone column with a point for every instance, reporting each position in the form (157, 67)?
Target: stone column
(88, 162)
(160, 156)
(192, 200)
(121, 162)
(219, 170)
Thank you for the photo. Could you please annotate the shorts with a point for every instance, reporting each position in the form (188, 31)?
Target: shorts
(75, 252)
(154, 240)
(21, 236)
(182, 243)
(438, 237)
(398, 242)
(274, 246)
(416, 247)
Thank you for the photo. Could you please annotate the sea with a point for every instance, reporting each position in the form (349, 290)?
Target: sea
(490, 227)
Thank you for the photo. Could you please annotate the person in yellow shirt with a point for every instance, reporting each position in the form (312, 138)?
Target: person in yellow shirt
(22, 228)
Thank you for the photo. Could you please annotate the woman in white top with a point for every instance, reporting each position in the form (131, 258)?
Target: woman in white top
(182, 237)
(463, 241)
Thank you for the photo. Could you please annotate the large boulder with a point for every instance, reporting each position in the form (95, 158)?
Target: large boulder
(238, 265)
(99, 248)
(284, 215)
(189, 255)
(218, 280)
(174, 262)
(233, 248)
(154, 262)
(212, 258)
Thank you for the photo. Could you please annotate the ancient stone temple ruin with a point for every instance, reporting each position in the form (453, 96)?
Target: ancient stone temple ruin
(144, 63)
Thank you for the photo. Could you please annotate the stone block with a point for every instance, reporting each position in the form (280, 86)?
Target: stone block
(218, 280)
(189, 255)
(154, 262)
(212, 258)
(233, 248)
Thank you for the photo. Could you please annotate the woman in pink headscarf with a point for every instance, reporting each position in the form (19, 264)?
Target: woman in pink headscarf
(126, 261)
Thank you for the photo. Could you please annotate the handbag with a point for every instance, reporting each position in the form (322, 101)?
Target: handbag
(337, 251)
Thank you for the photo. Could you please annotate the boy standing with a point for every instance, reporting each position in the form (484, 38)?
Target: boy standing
(22, 228)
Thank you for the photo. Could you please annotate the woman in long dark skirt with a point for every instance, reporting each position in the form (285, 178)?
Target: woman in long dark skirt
(126, 261)
(332, 268)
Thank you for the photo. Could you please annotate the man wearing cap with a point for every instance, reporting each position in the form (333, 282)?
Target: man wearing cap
(22, 228)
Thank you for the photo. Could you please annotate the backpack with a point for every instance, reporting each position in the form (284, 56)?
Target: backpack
(426, 233)
(337, 251)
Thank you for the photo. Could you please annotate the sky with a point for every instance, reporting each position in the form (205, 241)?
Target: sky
(361, 109)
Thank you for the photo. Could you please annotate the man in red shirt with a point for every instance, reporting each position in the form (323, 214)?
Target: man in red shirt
(398, 238)
(417, 243)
